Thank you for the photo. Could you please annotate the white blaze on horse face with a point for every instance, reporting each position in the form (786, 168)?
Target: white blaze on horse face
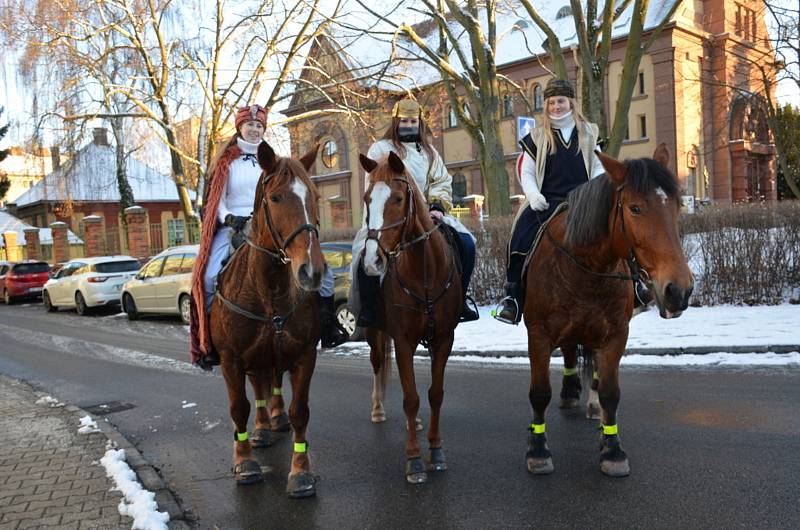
(301, 190)
(379, 196)
(661, 194)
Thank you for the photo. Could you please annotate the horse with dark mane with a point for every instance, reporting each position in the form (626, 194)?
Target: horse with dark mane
(419, 299)
(578, 288)
(265, 317)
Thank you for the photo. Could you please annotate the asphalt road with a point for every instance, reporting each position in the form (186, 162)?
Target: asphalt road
(708, 448)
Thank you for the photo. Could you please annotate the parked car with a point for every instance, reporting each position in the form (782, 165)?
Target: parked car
(163, 285)
(339, 254)
(85, 283)
(22, 280)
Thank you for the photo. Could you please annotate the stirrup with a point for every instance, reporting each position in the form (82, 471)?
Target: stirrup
(497, 310)
(469, 301)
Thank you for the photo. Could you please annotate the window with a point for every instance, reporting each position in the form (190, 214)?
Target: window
(176, 232)
(564, 12)
(459, 188)
(172, 265)
(465, 108)
(117, 266)
(538, 97)
(508, 105)
(3, 270)
(643, 126)
(627, 132)
(152, 269)
(330, 154)
(31, 268)
(452, 119)
(641, 83)
(188, 263)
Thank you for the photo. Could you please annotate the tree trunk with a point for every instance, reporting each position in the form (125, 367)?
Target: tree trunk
(493, 168)
(178, 175)
(125, 192)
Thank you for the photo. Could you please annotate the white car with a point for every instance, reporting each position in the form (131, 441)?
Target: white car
(85, 283)
(163, 285)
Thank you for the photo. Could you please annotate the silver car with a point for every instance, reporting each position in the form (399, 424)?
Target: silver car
(163, 285)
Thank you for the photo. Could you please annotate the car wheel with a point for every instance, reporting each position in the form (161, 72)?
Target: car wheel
(185, 307)
(129, 306)
(80, 304)
(7, 298)
(48, 304)
(348, 321)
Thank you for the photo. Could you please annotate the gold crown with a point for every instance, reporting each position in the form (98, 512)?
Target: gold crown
(406, 108)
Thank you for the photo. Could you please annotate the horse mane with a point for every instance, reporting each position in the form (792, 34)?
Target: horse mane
(590, 204)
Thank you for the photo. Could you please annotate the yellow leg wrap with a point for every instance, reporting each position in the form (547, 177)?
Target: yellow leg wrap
(595, 376)
(241, 436)
(610, 430)
(570, 371)
(261, 403)
(276, 391)
(300, 447)
(537, 428)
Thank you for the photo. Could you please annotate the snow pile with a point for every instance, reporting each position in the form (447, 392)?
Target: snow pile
(88, 425)
(186, 405)
(138, 503)
(49, 401)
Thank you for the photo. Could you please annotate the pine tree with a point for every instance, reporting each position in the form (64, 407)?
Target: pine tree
(4, 182)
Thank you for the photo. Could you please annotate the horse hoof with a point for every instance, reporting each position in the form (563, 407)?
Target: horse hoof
(540, 466)
(615, 469)
(260, 438)
(301, 485)
(247, 472)
(593, 411)
(568, 403)
(280, 423)
(437, 460)
(415, 471)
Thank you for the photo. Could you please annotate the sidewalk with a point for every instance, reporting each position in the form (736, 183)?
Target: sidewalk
(50, 475)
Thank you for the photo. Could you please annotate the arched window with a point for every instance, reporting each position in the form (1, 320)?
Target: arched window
(330, 154)
(465, 107)
(452, 119)
(508, 105)
(538, 97)
(564, 12)
(459, 188)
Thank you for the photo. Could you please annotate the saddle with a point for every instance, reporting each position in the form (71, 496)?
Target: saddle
(561, 208)
(454, 241)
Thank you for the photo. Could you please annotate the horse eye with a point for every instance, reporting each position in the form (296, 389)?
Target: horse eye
(635, 209)
(275, 198)
(398, 199)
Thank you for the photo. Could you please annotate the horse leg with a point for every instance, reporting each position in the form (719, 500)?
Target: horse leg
(539, 458)
(613, 460)
(415, 468)
(245, 468)
(593, 401)
(379, 356)
(570, 382)
(441, 352)
(261, 436)
(301, 482)
(279, 420)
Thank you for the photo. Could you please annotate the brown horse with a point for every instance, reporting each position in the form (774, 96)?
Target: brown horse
(579, 289)
(420, 299)
(265, 316)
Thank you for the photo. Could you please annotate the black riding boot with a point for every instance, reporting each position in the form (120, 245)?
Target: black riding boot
(368, 293)
(510, 310)
(209, 360)
(333, 334)
(468, 314)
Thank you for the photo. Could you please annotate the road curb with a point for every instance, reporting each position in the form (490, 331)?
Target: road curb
(146, 473)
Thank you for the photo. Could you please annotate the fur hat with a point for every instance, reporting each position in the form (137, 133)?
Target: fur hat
(559, 87)
(251, 113)
(407, 108)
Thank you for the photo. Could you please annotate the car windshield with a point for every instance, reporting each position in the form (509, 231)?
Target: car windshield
(31, 268)
(117, 266)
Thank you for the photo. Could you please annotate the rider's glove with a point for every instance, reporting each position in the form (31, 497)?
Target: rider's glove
(237, 222)
(537, 202)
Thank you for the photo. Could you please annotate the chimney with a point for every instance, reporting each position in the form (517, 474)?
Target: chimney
(100, 136)
(55, 157)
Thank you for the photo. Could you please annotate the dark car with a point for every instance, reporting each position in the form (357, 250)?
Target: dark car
(22, 280)
(338, 255)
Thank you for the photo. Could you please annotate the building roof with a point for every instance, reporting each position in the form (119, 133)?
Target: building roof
(10, 223)
(90, 176)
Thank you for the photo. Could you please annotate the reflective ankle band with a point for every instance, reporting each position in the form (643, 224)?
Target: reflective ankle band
(276, 391)
(261, 403)
(240, 436)
(610, 430)
(300, 447)
(537, 428)
(570, 371)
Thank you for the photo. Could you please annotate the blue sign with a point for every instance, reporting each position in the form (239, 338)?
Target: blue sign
(525, 125)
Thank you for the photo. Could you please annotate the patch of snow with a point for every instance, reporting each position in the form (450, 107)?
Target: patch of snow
(50, 401)
(138, 503)
(188, 405)
(715, 359)
(88, 425)
(210, 425)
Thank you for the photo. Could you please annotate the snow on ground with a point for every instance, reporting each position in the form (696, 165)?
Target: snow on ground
(710, 359)
(138, 503)
(88, 425)
(50, 401)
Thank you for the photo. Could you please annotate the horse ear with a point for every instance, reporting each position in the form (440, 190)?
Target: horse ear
(614, 168)
(266, 157)
(367, 163)
(661, 155)
(309, 158)
(395, 163)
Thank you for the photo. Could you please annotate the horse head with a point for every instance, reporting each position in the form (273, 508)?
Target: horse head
(394, 210)
(644, 225)
(285, 215)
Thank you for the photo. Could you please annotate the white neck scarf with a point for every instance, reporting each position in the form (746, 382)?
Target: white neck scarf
(561, 122)
(247, 147)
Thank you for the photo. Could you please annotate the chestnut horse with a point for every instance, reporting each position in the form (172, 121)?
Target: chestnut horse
(419, 301)
(578, 287)
(265, 316)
